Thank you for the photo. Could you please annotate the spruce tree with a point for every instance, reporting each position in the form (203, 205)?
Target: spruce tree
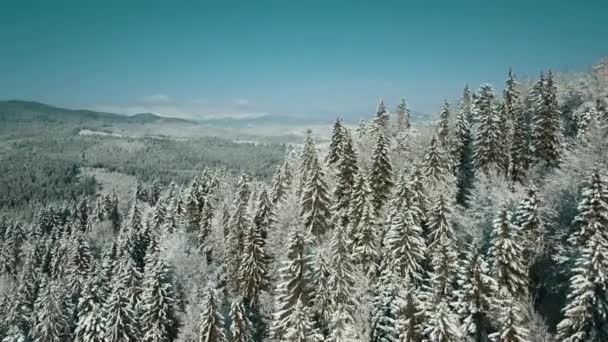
(487, 144)
(281, 183)
(90, 327)
(435, 162)
(365, 240)
(507, 262)
(546, 128)
(443, 129)
(212, 323)
(361, 197)
(315, 209)
(411, 314)
(158, 301)
(52, 321)
(119, 321)
(531, 227)
(322, 304)
(307, 158)
(381, 173)
(299, 326)
(336, 143)
(342, 326)
(462, 152)
(475, 295)
(442, 249)
(406, 245)
(385, 307)
(341, 279)
(592, 216)
(296, 283)
(442, 324)
(403, 116)
(347, 172)
(254, 276)
(240, 325)
(519, 153)
(512, 329)
(237, 228)
(382, 118)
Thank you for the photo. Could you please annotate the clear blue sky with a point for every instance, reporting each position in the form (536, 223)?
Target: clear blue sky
(195, 58)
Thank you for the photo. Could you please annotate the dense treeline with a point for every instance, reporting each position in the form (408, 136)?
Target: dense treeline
(493, 226)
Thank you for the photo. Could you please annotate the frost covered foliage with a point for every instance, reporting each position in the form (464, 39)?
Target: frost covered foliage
(489, 226)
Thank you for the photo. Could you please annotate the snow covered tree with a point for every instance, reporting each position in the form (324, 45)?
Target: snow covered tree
(592, 216)
(212, 323)
(341, 279)
(120, 322)
(296, 283)
(281, 182)
(237, 228)
(381, 173)
(254, 275)
(475, 296)
(506, 252)
(411, 314)
(512, 328)
(487, 143)
(240, 325)
(546, 127)
(406, 245)
(364, 239)
(322, 304)
(90, 326)
(307, 158)
(300, 326)
(403, 116)
(347, 171)
(519, 153)
(442, 249)
(531, 227)
(52, 321)
(336, 143)
(316, 202)
(341, 328)
(462, 152)
(435, 162)
(442, 324)
(361, 197)
(382, 118)
(385, 307)
(82, 213)
(443, 129)
(158, 301)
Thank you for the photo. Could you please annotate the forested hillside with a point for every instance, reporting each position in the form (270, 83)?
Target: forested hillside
(488, 224)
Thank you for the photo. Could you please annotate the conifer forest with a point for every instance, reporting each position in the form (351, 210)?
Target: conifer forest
(488, 222)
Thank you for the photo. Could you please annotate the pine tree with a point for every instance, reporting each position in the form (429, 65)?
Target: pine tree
(308, 157)
(254, 275)
(406, 245)
(381, 173)
(385, 309)
(315, 210)
(90, 326)
(546, 128)
(322, 304)
(119, 321)
(341, 279)
(364, 240)
(83, 215)
(443, 129)
(336, 143)
(158, 301)
(361, 197)
(240, 325)
(411, 314)
(442, 249)
(281, 182)
(212, 322)
(487, 144)
(382, 118)
(435, 162)
(296, 284)
(264, 216)
(342, 326)
(52, 319)
(443, 324)
(592, 216)
(10, 247)
(344, 191)
(205, 229)
(531, 227)
(475, 295)
(300, 326)
(238, 224)
(519, 153)
(506, 252)
(512, 329)
(403, 116)
(463, 148)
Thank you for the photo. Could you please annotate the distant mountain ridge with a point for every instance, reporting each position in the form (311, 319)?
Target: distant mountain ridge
(18, 110)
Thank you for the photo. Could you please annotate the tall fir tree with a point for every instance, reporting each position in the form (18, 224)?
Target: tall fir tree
(435, 162)
(443, 128)
(341, 279)
(519, 150)
(507, 257)
(307, 158)
(442, 324)
(512, 327)
(254, 276)
(240, 325)
(442, 249)
(487, 143)
(347, 172)
(546, 128)
(212, 323)
(52, 318)
(403, 116)
(316, 203)
(411, 315)
(381, 173)
(299, 326)
(462, 151)
(406, 245)
(336, 144)
(296, 283)
(382, 118)
(386, 305)
(281, 183)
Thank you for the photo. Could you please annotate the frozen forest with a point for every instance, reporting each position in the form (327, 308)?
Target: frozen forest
(488, 222)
